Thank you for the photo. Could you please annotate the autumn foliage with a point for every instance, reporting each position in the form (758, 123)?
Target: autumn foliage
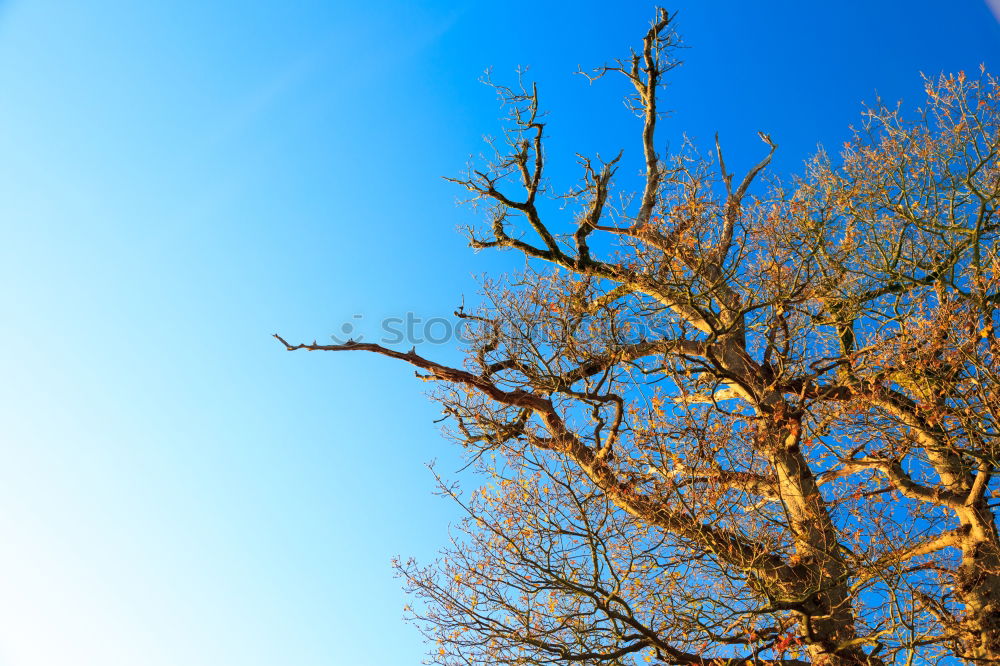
(725, 419)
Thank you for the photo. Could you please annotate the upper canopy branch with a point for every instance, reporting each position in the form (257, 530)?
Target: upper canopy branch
(734, 199)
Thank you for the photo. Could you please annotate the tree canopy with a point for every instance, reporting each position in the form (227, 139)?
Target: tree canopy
(725, 418)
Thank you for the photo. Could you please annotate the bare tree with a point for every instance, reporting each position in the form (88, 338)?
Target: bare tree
(723, 422)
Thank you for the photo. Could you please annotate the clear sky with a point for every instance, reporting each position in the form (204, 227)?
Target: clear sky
(179, 180)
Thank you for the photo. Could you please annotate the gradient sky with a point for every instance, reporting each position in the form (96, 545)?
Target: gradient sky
(179, 180)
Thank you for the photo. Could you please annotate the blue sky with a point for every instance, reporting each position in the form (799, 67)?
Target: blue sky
(179, 180)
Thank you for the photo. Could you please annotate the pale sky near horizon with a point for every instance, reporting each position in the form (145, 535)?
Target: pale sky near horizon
(179, 180)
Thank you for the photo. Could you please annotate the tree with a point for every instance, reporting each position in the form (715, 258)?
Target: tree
(725, 421)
